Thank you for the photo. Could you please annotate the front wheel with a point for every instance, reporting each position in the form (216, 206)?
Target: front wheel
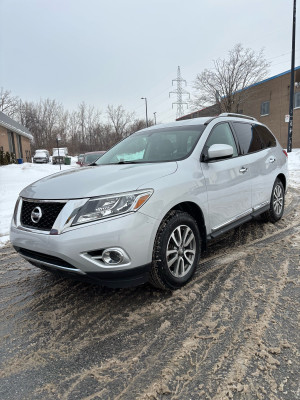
(276, 204)
(176, 251)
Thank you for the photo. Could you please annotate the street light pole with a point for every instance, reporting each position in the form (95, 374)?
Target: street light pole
(291, 109)
(57, 140)
(154, 117)
(145, 98)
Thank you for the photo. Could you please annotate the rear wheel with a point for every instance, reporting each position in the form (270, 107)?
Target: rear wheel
(176, 251)
(277, 203)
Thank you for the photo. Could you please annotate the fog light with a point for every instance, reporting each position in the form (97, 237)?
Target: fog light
(112, 256)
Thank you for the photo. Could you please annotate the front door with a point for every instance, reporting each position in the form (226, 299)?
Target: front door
(227, 181)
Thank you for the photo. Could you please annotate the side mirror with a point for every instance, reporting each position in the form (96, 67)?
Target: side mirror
(217, 151)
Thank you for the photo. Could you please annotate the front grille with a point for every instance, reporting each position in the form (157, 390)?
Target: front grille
(46, 258)
(49, 210)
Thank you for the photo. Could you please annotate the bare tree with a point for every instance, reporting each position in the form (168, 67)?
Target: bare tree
(139, 124)
(225, 83)
(82, 110)
(29, 117)
(120, 119)
(9, 104)
(81, 130)
(88, 127)
(45, 120)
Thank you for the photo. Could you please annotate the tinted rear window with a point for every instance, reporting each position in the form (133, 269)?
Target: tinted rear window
(265, 135)
(248, 138)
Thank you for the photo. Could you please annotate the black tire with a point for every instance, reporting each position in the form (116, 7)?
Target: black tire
(276, 210)
(166, 273)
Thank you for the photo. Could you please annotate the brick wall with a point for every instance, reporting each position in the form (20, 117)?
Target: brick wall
(26, 149)
(26, 146)
(277, 91)
(4, 139)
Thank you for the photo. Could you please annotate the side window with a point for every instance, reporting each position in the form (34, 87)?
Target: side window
(265, 135)
(248, 138)
(221, 134)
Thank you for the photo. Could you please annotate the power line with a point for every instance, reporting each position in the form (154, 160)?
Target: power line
(179, 92)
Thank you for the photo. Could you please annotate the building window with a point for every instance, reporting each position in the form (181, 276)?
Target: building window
(11, 142)
(265, 108)
(297, 100)
(19, 142)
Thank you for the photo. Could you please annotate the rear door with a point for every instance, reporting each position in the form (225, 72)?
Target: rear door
(253, 140)
(227, 181)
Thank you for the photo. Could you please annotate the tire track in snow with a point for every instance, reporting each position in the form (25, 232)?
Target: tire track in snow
(67, 340)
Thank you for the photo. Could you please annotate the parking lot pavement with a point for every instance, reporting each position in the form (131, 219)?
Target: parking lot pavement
(233, 332)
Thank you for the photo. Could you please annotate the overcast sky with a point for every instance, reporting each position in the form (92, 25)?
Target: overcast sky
(117, 51)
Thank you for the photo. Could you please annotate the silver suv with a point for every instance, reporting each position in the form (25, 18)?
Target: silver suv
(147, 210)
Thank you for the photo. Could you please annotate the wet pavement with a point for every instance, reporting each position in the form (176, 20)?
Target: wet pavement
(231, 333)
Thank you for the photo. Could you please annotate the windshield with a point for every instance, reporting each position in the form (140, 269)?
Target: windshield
(61, 152)
(156, 145)
(40, 153)
(90, 158)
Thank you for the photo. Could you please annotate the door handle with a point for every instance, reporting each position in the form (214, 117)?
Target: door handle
(272, 159)
(243, 170)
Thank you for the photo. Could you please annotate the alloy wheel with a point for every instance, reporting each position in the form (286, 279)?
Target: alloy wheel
(278, 199)
(181, 251)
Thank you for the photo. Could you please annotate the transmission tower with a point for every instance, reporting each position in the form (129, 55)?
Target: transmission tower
(180, 92)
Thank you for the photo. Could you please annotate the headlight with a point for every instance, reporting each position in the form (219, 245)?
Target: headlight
(109, 206)
(16, 211)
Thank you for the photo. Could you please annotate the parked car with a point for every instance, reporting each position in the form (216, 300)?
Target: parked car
(80, 158)
(91, 157)
(157, 198)
(41, 156)
(59, 155)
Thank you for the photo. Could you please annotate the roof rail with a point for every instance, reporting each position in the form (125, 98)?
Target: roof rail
(237, 115)
(211, 119)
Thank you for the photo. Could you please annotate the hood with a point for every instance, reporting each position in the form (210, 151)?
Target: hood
(97, 181)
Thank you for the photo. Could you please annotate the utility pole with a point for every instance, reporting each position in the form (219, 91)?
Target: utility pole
(180, 92)
(58, 139)
(145, 98)
(154, 117)
(291, 109)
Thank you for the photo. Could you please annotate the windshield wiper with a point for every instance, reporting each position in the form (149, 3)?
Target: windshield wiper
(127, 162)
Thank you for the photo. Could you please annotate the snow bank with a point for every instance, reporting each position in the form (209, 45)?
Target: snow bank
(15, 177)
(294, 168)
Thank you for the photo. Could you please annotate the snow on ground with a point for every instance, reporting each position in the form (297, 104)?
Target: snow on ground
(15, 177)
(294, 168)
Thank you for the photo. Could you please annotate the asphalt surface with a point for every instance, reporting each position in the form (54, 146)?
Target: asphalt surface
(231, 333)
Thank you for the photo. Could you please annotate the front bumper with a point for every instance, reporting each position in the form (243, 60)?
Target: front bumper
(69, 252)
(40, 160)
(58, 160)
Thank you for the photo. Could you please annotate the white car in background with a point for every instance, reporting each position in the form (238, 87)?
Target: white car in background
(41, 156)
(59, 154)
